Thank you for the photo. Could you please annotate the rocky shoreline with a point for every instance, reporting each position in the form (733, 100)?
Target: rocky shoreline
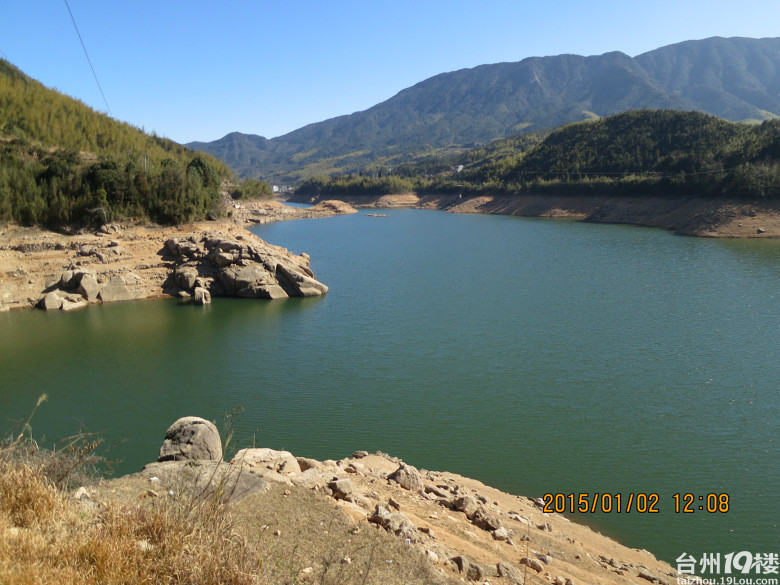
(466, 529)
(692, 216)
(55, 271)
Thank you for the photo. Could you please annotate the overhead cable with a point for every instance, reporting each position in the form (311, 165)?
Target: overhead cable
(88, 59)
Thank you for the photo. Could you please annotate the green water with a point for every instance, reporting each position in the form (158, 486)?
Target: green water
(535, 355)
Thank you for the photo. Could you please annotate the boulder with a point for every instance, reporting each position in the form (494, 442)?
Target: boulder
(51, 302)
(204, 479)
(191, 437)
(485, 519)
(407, 477)
(282, 462)
(115, 290)
(251, 281)
(185, 277)
(510, 572)
(71, 304)
(466, 504)
(201, 296)
(223, 258)
(341, 488)
(89, 287)
(298, 284)
(532, 563)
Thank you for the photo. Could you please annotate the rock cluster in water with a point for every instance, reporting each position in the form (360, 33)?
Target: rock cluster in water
(199, 266)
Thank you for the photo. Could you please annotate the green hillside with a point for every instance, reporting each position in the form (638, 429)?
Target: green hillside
(63, 163)
(658, 152)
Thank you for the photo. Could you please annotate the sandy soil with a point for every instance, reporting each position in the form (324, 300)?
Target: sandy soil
(32, 259)
(692, 216)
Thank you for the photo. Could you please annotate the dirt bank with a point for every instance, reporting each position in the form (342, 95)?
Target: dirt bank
(32, 260)
(692, 216)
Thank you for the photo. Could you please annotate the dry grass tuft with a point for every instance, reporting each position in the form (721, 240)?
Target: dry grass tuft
(48, 537)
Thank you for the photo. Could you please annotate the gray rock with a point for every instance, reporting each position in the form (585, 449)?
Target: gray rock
(501, 533)
(71, 304)
(407, 477)
(185, 277)
(297, 284)
(532, 564)
(306, 463)
(251, 281)
(51, 302)
(280, 461)
(341, 488)
(223, 258)
(115, 290)
(68, 280)
(191, 437)
(466, 504)
(201, 296)
(205, 479)
(485, 519)
(510, 572)
(89, 287)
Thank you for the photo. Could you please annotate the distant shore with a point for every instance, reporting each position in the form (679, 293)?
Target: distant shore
(691, 216)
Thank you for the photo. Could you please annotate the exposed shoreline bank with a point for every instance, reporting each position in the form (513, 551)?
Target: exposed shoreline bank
(692, 216)
(133, 261)
(463, 528)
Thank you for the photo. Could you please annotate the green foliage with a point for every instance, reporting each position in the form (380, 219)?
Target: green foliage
(251, 189)
(63, 163)
(644, 152)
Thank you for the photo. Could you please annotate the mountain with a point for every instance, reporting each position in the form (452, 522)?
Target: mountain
(634, 153)
(735, 78)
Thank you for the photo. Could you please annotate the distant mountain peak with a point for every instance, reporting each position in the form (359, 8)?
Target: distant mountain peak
(735, 78)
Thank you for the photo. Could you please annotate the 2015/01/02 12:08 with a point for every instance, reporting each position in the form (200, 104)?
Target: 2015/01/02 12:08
(633, 502)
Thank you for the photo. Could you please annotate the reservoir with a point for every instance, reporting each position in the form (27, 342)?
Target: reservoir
(538, 356)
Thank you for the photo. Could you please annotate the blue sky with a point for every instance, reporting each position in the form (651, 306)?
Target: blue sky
(197, 70)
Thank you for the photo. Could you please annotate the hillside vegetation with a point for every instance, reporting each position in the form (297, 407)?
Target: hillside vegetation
(733, 78)
(644, 152)
(63, 163)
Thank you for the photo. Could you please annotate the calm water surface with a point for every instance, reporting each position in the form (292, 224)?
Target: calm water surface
(536, 355)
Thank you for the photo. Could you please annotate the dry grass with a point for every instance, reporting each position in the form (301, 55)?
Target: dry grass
(47, 536)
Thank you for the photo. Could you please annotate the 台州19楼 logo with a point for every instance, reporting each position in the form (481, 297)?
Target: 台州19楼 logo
(734, 568)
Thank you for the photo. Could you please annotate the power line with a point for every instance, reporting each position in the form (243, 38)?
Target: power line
(88, 59)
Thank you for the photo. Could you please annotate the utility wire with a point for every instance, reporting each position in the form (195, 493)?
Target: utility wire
(88, 59)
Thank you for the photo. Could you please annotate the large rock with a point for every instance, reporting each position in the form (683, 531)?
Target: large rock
(115, 290)
(51, 302)
(298, 284)
(201, 296)
(251, 281)
(407, 477)
(89, 287)
(282, 462)
(191, 437)
(486, 519)
(204, 479)
(185, 277)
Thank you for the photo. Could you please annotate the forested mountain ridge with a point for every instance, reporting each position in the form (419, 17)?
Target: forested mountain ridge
(735, 78)
(63, 163)
(636, 153)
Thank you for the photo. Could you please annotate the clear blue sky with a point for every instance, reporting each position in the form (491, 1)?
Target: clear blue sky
(197, 70)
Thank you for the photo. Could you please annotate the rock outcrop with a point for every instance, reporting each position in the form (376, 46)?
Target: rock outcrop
(191, 437)
(197, 266)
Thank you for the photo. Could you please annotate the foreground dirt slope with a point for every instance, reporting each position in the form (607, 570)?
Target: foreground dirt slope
(311, 514)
